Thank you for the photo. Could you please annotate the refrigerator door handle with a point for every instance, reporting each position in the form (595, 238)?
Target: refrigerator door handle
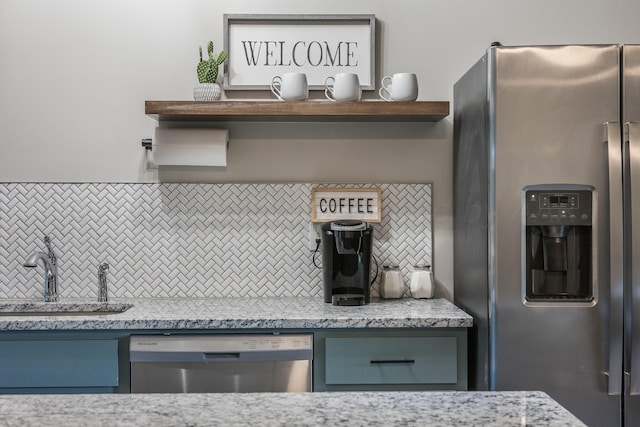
(614, 153)
(633, 132)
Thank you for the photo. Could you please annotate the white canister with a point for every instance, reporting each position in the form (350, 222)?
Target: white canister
(391, 283)
(422, 282)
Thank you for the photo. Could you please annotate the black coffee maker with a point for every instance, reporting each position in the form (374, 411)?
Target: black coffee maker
(346, 262)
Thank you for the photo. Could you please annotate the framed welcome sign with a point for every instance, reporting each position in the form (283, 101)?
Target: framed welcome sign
(263, 46)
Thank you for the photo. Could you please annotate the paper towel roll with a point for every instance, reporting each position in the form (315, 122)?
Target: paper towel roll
(190, 147)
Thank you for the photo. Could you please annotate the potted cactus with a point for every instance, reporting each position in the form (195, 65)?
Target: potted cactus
(207, 89)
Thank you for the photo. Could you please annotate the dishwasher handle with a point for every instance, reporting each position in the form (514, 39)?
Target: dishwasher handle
(216, 357)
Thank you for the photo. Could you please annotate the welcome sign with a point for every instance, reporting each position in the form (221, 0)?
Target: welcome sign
(263, 46)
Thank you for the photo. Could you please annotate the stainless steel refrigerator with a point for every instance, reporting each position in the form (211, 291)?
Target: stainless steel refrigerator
(546, 224)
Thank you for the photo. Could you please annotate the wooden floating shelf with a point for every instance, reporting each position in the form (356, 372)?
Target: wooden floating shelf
(309, 111)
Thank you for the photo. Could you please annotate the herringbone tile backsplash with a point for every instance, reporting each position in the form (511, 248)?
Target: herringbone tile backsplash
(188, 240)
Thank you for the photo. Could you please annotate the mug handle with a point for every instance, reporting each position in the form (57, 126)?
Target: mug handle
(385, 89)
(328, 91)
(276, 86)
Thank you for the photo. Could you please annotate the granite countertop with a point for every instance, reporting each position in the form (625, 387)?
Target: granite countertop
(242, 313)
(434, 409)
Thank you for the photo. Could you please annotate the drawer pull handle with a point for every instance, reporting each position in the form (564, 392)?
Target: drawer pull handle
(393, 361)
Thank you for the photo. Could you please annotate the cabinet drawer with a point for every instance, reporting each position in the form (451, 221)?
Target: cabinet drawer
(59, 363)
(392, 360)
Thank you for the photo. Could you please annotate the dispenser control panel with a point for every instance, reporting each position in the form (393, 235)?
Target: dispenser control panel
(571, 207)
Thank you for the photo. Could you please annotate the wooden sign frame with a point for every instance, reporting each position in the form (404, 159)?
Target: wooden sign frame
(331, 203)
(263, 46)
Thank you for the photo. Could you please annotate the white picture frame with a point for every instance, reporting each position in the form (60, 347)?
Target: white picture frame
(263, 46)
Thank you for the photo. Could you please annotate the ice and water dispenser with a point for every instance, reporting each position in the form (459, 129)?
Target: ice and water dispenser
(558, 243)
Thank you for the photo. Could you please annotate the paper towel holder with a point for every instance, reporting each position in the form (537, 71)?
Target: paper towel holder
(197, 147)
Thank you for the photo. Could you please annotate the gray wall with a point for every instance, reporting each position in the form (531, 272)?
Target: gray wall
(74, 75)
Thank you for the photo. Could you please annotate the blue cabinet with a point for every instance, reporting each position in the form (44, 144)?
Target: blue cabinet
(63, 362)
(343, 359)
(59, 363)
(426, 359)
(392, 360)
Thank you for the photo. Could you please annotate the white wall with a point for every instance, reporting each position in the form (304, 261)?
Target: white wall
(74, 75)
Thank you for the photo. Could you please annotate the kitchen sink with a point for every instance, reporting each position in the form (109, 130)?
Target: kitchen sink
(26, 308)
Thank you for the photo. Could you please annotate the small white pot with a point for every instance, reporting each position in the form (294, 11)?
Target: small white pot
(207, 92)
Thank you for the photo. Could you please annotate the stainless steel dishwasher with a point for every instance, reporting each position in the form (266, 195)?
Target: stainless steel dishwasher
(221, 363)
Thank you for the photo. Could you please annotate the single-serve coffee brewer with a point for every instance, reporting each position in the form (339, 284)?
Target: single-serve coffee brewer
(346, 262)
(558, 243)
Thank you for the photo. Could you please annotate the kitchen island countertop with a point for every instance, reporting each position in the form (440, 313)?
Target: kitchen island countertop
(248, 313)
(434, 409)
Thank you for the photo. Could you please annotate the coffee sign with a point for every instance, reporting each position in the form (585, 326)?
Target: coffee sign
(263, 46)
(330, 204)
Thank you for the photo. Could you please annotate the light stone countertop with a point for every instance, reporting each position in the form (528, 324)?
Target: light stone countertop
(242, 313)
(367, 409)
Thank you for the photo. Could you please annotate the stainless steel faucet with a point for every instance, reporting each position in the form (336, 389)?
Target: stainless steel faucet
(51, 270)
(103, 295)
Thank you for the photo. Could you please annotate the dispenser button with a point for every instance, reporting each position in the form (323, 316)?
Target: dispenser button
(544, 201)
(573, 201)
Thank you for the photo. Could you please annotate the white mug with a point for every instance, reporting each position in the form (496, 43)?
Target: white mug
(343, 87)
(290, 87)
(400, 87)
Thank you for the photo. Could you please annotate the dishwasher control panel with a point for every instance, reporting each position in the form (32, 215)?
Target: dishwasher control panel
(220, 343)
